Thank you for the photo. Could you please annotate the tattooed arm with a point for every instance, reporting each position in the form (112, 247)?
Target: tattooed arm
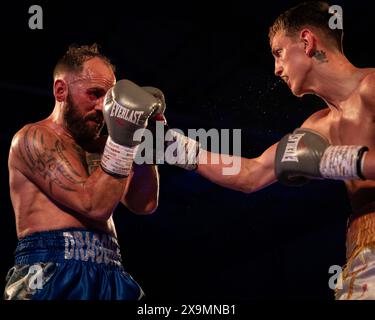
(56, 168)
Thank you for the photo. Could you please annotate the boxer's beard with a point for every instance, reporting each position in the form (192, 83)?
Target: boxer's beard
(78, 126)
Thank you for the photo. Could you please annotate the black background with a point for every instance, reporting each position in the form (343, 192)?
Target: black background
(214, 65)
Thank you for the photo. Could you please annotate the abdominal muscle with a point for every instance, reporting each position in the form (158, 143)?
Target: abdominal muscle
(36, 212)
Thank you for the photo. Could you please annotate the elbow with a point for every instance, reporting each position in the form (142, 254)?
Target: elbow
(101, 215)
(145, 212)
(247, 189)
(142, 209)
(256, 186)
(251, 187)
(98, 213)
(148, 209)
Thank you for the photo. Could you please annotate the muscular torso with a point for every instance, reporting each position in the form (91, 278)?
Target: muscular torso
(353, 124)
(34, 209)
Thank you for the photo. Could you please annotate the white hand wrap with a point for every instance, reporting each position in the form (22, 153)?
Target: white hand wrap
(183, 152)
(117, 160)
(342, 162)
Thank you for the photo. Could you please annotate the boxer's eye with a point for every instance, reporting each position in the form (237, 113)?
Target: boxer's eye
(95, 93)
(277, 53)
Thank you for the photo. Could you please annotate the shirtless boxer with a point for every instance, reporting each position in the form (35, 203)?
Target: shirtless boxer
(333, 143)
(64, 193)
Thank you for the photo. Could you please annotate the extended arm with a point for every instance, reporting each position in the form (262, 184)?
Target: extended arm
(246, 175)
(242, 174)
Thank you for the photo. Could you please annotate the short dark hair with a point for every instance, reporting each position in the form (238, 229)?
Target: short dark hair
(311, 13)
(76, 56)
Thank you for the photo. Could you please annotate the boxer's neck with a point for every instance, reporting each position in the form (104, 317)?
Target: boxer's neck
(57, 122)
(334, 81)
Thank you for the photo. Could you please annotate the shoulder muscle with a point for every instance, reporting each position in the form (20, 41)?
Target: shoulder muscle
(367, 90)
(42, 155)
(315, 120)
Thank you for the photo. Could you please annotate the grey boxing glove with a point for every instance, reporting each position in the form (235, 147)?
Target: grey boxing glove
(127, 108)
(174, 148)
(158, 115)
(306, 154)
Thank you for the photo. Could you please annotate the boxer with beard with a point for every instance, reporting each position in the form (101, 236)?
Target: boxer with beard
(63, 199)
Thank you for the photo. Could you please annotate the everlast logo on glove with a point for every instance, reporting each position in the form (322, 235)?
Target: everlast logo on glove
(126, 109)
(290, 154)
(121, 112)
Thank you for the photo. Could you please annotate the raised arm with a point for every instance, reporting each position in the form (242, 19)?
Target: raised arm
(142, 192)
(126, 110)
(56, 168)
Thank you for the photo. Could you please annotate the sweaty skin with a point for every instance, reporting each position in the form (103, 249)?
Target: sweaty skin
(55, 182)
(308, 66)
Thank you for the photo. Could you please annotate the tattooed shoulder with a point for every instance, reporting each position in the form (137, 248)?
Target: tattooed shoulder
(45, 155)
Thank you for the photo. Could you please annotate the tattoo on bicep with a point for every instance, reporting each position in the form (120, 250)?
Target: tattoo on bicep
(49, 160)
(321, 56)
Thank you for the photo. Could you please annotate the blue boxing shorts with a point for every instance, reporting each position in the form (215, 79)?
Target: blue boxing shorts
(69, 264)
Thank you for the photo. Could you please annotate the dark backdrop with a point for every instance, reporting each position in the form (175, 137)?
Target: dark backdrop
(214, 65)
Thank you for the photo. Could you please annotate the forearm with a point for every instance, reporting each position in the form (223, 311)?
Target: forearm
(369, 165)
(100, 194)
(233, 172)
(142, 193)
